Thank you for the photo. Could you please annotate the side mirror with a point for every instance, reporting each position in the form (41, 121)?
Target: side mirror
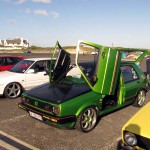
(31, 71)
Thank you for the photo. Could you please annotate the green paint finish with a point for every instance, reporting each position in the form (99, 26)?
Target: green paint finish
(76, 105)
(107, 67)
(107, 71)
(110, 88)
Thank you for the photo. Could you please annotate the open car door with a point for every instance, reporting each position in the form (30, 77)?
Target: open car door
(62, 63)
(104, 76)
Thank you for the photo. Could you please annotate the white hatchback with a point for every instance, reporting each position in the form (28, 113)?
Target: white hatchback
(24, 75)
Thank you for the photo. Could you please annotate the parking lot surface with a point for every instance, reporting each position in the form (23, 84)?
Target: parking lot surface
(22, 129)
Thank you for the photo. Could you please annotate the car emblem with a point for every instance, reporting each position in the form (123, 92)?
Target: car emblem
(36, 103)
(104, 54)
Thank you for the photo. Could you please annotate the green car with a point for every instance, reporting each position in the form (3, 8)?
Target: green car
(78, 94)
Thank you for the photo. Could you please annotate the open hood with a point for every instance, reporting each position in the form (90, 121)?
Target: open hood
(62, 63)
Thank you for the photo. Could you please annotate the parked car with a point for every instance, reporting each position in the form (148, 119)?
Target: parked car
(27, 51)
(6, 61)
(136, 132)
(77, 95)
(24, 75)
(94, 52)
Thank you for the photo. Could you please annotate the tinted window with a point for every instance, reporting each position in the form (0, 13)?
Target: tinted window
(89, 69)
(129, 74)
(9, 61)
(0, 61)
(17, 59)
(41, 65)
(22, 66)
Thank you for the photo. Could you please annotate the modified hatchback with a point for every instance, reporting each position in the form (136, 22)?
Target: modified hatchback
(76, 95)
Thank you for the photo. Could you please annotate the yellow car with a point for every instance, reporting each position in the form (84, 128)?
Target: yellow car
(136, 132)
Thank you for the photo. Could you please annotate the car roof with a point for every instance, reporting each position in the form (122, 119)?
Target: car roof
(37, 59)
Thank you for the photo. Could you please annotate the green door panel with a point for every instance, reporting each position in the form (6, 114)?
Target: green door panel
(106, 70)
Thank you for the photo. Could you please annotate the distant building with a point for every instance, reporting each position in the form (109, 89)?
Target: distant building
(17, 42)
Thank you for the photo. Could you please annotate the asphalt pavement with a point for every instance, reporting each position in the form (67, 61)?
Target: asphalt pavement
(21, 128)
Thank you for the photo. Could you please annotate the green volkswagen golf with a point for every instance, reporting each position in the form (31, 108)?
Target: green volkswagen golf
(78, 94)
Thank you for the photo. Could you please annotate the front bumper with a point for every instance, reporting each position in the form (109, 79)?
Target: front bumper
(67, 121)
(126, 147)
(2, 87)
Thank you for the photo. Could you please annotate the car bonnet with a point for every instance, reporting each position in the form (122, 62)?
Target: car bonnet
(57, 93)
(139, 123)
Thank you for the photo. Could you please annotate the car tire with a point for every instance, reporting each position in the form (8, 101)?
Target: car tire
(140, 99)
(87, 120)
(13, 90)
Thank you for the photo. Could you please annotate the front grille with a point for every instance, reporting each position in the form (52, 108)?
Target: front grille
(39, 104)
(143, 142)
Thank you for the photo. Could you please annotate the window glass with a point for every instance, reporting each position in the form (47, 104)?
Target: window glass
(22, 66)
(9, 61)
(129, 74)
(38, 66)
(17, 59)
(0, 61)
(41, 66)
(89, 68)
(131, 55)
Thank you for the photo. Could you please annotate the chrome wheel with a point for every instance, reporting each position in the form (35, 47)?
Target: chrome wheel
(141, 98)
(12, 90)
(87, 120)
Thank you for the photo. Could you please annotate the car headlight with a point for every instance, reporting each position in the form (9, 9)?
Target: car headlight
(56, 110)
(130, 139)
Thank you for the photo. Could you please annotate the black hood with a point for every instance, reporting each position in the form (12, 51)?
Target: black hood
(57, 93)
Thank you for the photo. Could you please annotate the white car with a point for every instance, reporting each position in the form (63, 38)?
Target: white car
(94, 52)
(25, 75)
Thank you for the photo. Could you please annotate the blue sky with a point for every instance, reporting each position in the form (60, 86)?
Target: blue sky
(124, 23)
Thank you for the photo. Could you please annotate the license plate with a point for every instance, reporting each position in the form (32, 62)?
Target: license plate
(34, 115)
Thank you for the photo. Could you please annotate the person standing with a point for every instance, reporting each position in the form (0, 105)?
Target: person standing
(148, 67)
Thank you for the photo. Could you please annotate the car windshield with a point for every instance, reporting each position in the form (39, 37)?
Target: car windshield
(22, 66)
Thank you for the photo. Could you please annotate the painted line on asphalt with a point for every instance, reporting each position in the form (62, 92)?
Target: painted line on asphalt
(6, 146)
(11, 143)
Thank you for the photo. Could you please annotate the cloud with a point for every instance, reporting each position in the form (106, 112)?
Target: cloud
(20, 1)
(54, 14)
(40, 12)
(27, 11)
(42, 1)
(15, 1)
(12, 21)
